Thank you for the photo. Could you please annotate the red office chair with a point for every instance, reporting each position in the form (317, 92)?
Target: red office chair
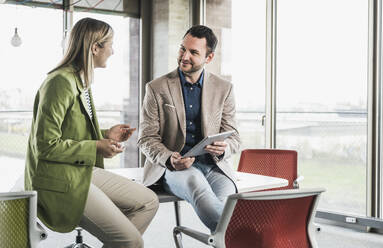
(271, 162)
(277, 219)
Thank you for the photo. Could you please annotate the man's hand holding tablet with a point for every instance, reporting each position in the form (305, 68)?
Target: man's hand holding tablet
(181, 163)
(217, 148)
(213, 144)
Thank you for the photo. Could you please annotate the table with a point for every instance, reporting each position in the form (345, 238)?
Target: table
(245, 182)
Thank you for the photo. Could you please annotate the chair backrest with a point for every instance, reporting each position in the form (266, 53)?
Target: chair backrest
(270, 162)
(277, 219)
(18, 226)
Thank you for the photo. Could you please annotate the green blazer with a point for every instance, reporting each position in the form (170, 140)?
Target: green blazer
(62, 150)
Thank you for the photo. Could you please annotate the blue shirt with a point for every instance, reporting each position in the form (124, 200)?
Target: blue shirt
(192, 100)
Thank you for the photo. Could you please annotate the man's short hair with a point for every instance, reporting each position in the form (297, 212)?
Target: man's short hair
(200, 31)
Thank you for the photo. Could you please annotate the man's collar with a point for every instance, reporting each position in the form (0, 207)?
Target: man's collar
(183, 79)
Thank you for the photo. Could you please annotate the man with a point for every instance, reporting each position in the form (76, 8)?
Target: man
(179, 109)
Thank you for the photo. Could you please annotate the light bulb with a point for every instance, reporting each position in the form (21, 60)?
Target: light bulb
(16, 40)
(2, 1)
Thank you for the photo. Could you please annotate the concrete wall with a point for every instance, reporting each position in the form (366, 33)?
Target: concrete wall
(170, 22)
(131, 103)
(218, 18)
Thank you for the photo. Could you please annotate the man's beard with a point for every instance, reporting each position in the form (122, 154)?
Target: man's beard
(192, 69)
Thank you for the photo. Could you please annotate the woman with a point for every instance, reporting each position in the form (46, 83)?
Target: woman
(66, 150)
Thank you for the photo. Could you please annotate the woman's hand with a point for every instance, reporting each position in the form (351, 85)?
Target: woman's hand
(108, 148)
(120, 132)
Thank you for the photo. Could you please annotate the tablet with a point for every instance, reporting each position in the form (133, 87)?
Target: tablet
(199, 149)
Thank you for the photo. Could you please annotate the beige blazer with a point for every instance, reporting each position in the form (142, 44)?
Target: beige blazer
(162, 129)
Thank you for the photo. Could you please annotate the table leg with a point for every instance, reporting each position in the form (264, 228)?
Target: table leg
(177, 235)
(177, 212)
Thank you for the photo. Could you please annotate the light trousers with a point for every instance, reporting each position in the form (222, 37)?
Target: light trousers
(204, 187)
(117, 210)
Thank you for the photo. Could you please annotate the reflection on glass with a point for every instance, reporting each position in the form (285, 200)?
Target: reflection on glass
(23, 70)
(240, 57)
(322, 96)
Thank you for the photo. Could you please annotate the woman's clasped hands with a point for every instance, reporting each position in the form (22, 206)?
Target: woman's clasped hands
(110, 146)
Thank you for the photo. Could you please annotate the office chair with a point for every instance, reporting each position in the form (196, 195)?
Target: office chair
(271, 162)
(277, 219)
(18, 215)
(19, 186)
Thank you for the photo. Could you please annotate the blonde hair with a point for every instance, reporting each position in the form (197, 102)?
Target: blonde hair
(85, 33)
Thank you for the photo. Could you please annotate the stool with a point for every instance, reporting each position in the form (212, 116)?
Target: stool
(79, 241)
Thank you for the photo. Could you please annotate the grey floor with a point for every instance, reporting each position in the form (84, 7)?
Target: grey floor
(159, 233)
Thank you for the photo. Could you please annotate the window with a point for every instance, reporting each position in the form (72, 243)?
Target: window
(322, 96)
(26, 66)
(23, 69)
(240, 57)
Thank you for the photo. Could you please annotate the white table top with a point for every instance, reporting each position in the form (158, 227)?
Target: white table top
(251, 182)
(245, 181)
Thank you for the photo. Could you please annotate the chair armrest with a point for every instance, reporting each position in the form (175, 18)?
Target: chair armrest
(297, 181)
(202, 237)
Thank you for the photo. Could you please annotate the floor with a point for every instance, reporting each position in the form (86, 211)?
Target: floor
(159, 233)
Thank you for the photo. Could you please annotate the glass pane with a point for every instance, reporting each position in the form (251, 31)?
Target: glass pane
(26, 66)
(113, 5)
(322, 96)
(23, 69)
(115, 88)
(240, 57)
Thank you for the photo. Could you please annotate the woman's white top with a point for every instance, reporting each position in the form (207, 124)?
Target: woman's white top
(87, 98)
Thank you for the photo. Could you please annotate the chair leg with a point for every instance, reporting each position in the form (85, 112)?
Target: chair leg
(177, 212)
(177, 235)
(177, 239)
